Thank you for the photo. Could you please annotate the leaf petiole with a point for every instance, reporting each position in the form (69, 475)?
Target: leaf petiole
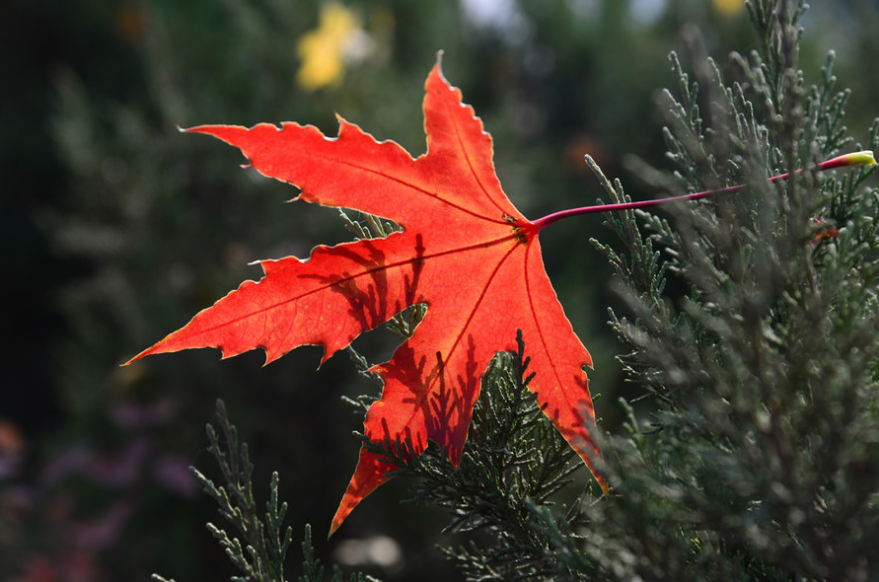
(862, 158)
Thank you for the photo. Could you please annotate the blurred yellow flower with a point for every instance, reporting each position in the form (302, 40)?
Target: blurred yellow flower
(729, 7)
(324, 50)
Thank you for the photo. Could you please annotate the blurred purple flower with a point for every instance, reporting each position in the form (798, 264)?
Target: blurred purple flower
(172, 471)
(123, 469)
(136, 415)
(104, 531)
(111, 471)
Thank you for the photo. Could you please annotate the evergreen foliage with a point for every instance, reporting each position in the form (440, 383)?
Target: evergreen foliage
(751, 330)
(760, 457)
(260, 557)
(753, 336)
(514, 463)
(760, 461)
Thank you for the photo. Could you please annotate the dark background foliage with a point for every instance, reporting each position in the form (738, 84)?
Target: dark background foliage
(116, 229)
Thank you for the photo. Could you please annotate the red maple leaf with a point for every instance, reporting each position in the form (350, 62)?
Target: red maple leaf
(465, 251)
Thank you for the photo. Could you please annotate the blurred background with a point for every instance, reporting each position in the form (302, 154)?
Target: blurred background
(116, 229)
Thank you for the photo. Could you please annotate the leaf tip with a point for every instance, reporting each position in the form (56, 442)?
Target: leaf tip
(437, 70)
(139, 356)
(602, 482)
(341, 514)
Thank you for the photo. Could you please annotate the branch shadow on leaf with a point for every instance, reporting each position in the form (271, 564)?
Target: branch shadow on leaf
(368, 302)
(441, 400)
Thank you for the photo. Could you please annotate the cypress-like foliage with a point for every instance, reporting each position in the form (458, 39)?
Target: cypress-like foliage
(259, 548)
(513, 465)
(752, 335)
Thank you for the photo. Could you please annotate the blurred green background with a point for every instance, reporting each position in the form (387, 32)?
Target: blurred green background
(116, 229)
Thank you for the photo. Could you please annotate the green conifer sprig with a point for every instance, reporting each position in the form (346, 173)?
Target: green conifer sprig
(512, 466)
(260, 556)
(751, 327)
(260, 551)
(760, 459)
(314, 571)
